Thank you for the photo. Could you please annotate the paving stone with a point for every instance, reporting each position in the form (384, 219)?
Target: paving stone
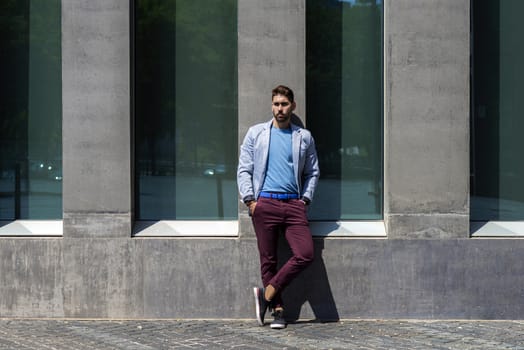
(245, 334)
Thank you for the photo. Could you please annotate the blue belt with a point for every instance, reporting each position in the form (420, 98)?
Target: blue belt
(279, 195)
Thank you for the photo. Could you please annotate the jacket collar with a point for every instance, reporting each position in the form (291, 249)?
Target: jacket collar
(294, 127)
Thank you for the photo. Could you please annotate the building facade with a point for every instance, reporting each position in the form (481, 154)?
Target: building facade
(121, 123)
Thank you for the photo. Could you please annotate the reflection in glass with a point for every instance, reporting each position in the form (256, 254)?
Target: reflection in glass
(30, 110)
(344, 106)
(186, 109)
(497, 170)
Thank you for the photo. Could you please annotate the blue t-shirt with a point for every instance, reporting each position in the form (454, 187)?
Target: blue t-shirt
(280, 176)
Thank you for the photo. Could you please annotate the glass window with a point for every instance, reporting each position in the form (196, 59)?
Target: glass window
(344, 105)
(186, 109)
(497, 125)
(30, 110)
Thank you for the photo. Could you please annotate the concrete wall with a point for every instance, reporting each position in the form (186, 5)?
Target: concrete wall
(96, 118)
(188, 278)
(427, 119)
(427, 267)
(271, 51)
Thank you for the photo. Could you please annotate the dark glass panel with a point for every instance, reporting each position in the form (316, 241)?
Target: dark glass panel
(186, 109)
(30, 110)
(344, 106)
(497, 170)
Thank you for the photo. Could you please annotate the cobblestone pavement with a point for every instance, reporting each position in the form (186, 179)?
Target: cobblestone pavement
(245, 334)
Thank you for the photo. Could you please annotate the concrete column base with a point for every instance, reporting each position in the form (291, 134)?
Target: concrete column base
(97, 225)
(427, 226)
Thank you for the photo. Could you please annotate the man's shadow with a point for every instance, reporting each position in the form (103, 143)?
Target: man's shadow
(312, 285)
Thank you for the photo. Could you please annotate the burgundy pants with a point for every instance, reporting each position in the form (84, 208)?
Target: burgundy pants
(271, 217)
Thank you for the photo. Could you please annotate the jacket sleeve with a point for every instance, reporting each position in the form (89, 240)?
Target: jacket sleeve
(311, 171)
(245, 168)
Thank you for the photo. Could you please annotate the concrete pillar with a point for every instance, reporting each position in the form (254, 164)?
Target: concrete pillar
(96, 118)
(271, 51)
(427, 118)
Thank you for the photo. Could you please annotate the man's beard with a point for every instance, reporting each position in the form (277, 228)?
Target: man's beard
(282, 118)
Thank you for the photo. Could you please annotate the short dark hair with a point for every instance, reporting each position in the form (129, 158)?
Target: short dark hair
(284, 91)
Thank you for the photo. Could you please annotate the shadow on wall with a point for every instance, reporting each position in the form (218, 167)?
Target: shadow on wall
(295, 119)
(311, 286)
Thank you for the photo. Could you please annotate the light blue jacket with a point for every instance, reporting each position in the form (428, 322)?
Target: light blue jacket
(254, 151)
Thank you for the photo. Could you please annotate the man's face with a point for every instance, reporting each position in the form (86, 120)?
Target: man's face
(282, 108)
